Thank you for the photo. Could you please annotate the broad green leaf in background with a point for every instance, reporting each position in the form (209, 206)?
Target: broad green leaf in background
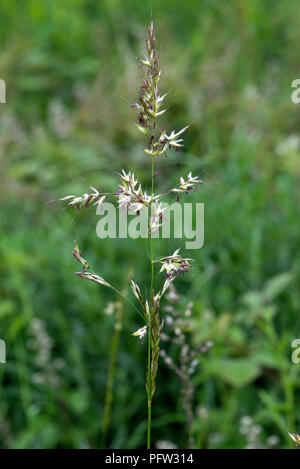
(237, 372)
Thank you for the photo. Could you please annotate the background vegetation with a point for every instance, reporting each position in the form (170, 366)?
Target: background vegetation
(71, 73)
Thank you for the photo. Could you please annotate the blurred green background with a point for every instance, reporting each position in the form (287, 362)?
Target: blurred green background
(71, 72)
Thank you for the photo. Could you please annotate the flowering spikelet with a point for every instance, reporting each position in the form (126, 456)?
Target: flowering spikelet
(84, 274)
(295, 437)
(136, 290)
(156, 330)
(78, 257)
(156, 219)
(131, 194)
(175, 264)
(137, 293)
(84, 201)
(141, 332)
(166, 285)
(165, 142)
(173, 139)
(149, 105)
(150, 102)
(93, 278)
(187, 185)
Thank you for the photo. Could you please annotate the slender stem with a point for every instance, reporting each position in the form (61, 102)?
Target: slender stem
(149, 427)
(149, 390)
(150, 323)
